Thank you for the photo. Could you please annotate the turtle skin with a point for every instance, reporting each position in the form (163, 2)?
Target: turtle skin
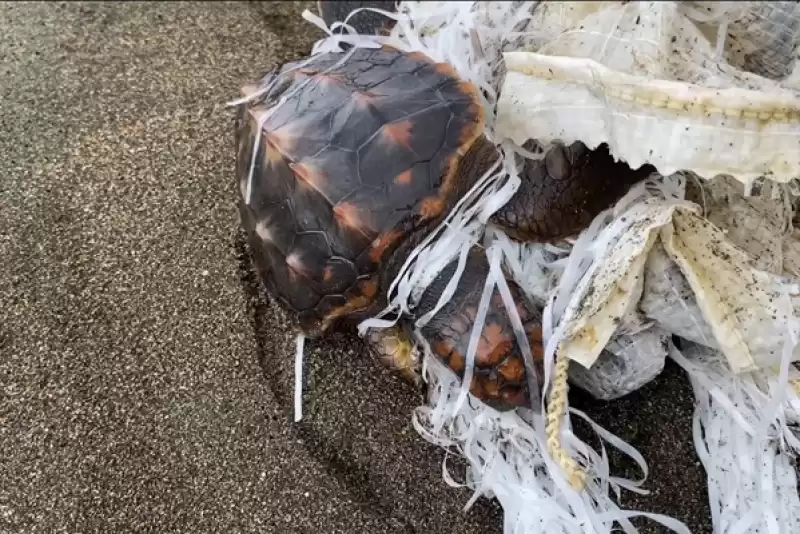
(562, 195)
(360, 155)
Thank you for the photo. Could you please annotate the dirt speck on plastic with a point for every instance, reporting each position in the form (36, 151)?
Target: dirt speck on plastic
(146, 383)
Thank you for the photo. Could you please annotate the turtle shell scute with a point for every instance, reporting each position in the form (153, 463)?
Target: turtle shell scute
(355, 149)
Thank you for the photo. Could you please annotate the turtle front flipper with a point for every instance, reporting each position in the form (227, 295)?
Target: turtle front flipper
(562, 193)
(499, 374)
(394, 348)
(364, 22)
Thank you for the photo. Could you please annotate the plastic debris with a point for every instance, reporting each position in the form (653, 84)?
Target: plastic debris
(708, 92)
(646, 79)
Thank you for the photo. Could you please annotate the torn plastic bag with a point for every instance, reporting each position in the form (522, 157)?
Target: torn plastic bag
(669, 301)
(759, 225)
(737, 300)
(646, 79)
(756, 224)
(636, 352)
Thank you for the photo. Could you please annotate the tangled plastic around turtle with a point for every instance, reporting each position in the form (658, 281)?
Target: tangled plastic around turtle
(512, 455)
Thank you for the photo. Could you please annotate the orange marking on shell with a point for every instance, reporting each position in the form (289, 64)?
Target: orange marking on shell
(308, 174)
(448, 354)
(328, 80)
(493, 346)
(399, 133)
(476, 388)
(451, 176)
(443, 349)
(457, 362)
(536, 342)
(328, 274)
(354, 305)
(535, 334)
(494, 334)
(350, 216)
(492, 388)
(431, 207)
(468, 135)
(471, 90)
(475, 109)
(446, 69)
(404, 178)
(382, 244)
(513, 370)
(369, 288)
(273, 153)
(538, 351)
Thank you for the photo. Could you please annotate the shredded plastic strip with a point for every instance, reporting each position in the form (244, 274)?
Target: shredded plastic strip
(509, 460)
(472, 347)
(298, 378)
(752, 483)
(745, 434)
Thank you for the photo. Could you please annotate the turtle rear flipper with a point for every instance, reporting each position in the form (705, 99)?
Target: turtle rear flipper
(499, 374)
(364, 22)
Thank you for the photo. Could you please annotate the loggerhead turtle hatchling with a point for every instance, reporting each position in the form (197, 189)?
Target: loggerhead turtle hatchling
(357, 163)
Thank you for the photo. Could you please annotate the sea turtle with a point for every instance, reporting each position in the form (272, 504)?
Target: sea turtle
(360, 156)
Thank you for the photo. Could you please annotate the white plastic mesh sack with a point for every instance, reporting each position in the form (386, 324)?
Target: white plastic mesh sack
(757, 37)
(627, 363)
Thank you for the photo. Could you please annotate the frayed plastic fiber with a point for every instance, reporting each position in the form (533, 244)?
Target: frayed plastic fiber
(298, 378)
